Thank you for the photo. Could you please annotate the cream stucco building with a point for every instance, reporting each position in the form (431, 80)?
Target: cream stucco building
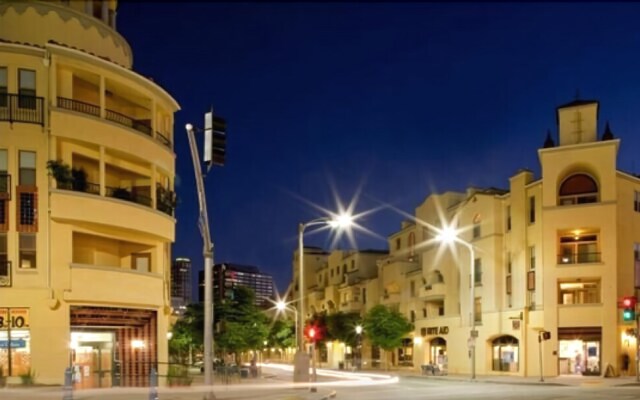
(555, 253)
(86, 198)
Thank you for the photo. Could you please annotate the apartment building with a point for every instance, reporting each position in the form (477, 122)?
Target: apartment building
(180, 285)
(551, 254)
(86, 199)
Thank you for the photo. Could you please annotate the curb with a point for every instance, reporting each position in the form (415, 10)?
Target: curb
(483, 381)
(331, 395)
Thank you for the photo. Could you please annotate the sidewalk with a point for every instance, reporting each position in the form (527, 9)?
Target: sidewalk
(563, 380)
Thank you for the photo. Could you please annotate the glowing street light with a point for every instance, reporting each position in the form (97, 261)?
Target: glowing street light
(301, 359)
(282, 306)
(449, 235)
(359, 346)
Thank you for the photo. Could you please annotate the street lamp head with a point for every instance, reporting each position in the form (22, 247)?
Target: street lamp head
(341, 221)
(447, 235)
(281, 305)
(189, 127)
(358, 329)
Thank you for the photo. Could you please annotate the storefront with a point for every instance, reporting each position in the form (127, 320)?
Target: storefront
(579, 351)
(15, 340)
(438, 353)
(505, 354)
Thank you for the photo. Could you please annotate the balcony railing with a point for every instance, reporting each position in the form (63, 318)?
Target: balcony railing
(163, 139)
(139, 125)
(79, 106)
(5, 273)
(128, 195)
(5, 186)
(85, 187)
(579, 258)
(21, 108)
(91, 109)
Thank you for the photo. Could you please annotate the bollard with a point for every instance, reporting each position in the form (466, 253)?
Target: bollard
(153, 384)
(67, 391)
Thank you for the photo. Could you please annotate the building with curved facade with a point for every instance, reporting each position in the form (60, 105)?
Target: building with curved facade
(86, 198)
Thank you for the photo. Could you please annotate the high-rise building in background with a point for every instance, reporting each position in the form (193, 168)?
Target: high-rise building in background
(86, 199)
(180, 285)
(227, 276)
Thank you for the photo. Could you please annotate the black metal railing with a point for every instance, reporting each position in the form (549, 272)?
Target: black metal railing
(5, 273)
(128, 195)
(140, 126)
(579, 258)
(85, 187)
(22, 108)
(163, 139)
(5, 186)
(165, 200)
(79, 106)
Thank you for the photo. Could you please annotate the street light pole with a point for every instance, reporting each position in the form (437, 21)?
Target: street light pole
(301, 359)
(281, 306)
(359, 347)
(448, 234)
(203, 224)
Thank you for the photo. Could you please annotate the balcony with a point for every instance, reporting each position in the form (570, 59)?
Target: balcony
(140, 125)
(433, 290)
(350, 306)
(22, 108)
(579, 258)
(5, 274)
(129, 194)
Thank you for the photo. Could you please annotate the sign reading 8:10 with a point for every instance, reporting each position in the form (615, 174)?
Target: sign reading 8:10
(14, 318)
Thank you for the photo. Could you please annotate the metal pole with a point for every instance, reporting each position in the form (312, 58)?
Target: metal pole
(153, 384)
(540, 354)
(68, 384)
(203, 224)
(472, 304)
(314, 379)
(300, 328)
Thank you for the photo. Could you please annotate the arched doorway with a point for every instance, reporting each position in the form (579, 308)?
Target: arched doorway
(506, 356)
(438, 353)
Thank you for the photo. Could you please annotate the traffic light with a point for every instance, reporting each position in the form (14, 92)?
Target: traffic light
(314, 333)
(215, 139)
(629, 311)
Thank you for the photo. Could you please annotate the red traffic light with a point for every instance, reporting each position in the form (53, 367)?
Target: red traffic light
(313, 333)
(629, 302)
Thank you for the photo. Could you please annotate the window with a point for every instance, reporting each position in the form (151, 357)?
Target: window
(424, 314)
(26, 88)
(579, 291)
(636, 263)
(141, 262)
(15, 354)
(509, 283)
(3, 87)
(5, 266)
(364, 295)
(27, 168)
(532, 209)
(532, 257)
(578, 189)
(509, 263)
(508, 286)
(412, 243)
(353, 265)
(636, 201)
(412, 316)
(476, 226)
(477, 273)
(412, 286)
(478, 310)
(344, 269)
(508, 218)
(5, 185)
(579, 249)
(27, 250)
(398, 243)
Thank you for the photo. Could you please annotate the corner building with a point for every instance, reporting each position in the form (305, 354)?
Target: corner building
(86, 199)
(554, 254)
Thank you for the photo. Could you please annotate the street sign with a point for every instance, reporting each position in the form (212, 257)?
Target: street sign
(474, 333)
(471, 343)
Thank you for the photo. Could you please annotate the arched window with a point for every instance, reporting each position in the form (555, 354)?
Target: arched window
(505, 354)
(578, 189)
(412, 243)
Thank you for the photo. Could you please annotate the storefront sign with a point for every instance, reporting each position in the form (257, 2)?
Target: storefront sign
(438, 330)
(15, 344)
(14, 318)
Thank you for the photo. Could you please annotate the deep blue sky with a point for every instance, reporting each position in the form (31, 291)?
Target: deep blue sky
(399, 100)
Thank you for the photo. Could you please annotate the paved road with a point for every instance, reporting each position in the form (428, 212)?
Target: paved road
(276, 385)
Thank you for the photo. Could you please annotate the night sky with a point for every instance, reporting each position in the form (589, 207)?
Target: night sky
(390, 102)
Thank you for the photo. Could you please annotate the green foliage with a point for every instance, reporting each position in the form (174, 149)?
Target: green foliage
(385, 327)
(187, 333)
(61, 172)
(282, 334)
(28, 378)
(178, 375)
(242, 326)
(341, 326)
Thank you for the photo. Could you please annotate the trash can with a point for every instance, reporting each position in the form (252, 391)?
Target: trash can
(341, 365)
(244, 373)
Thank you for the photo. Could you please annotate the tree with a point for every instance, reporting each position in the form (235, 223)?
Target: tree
(282, 334)
(241, 325)
(341, 326)
(187, 334)
(386, 328)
